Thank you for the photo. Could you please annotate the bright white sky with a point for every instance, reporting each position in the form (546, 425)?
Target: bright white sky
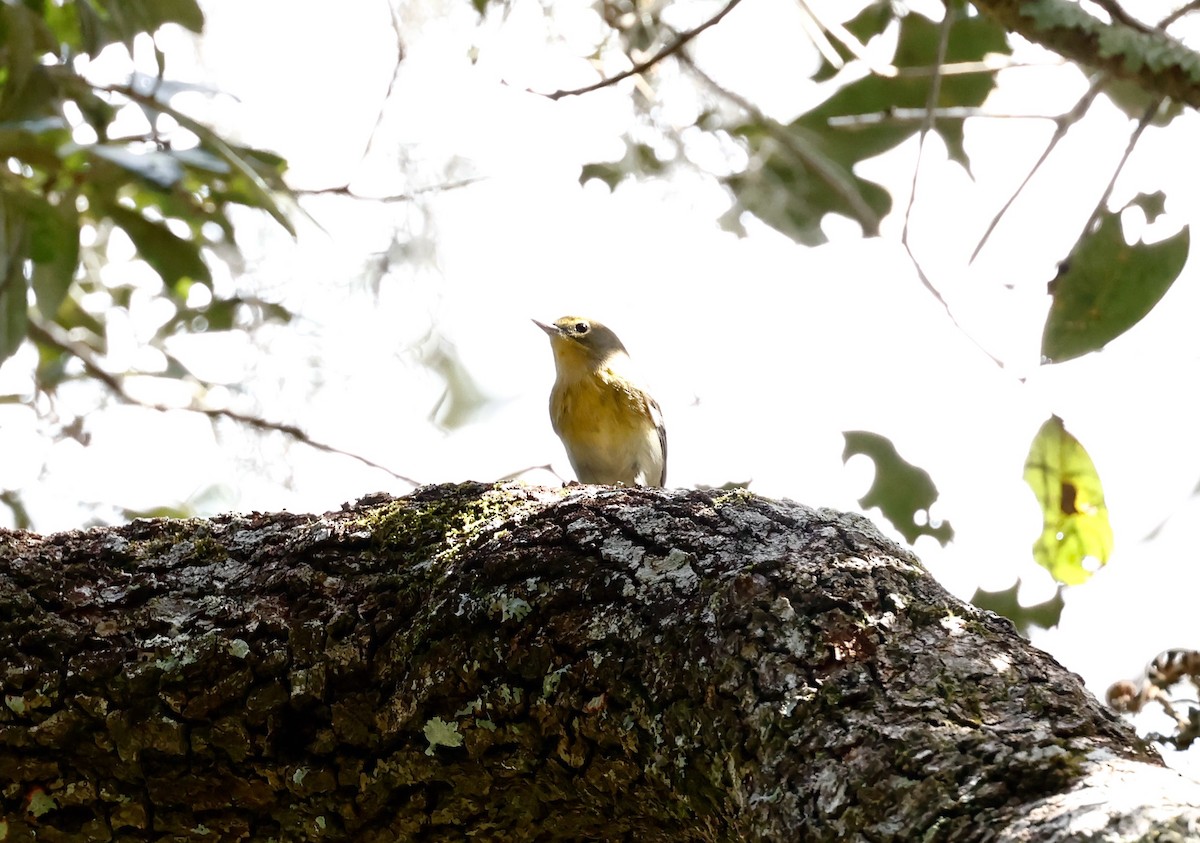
(761, 352)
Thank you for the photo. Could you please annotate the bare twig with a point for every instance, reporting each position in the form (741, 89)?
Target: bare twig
(43, 333)
(930, 117)
(903, 116)
(1064, 123)
(848, 40)
(963, 68)
(674, 47)
(345, 190)
(391, 82)
(1136, 135)
(935, 89)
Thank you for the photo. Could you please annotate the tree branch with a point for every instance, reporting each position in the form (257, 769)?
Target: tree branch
(675, 46)
(512, 663)
(1153, 60)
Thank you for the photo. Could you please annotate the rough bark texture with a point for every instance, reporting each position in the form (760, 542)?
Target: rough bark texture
(515, 663)
(1156, 62)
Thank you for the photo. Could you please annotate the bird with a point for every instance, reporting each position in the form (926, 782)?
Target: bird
(610, 425)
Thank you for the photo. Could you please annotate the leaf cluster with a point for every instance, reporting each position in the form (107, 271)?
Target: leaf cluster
(73, 173)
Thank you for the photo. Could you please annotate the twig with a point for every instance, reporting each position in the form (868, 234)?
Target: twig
(848, 40)
(391, 82)
(1136, 135)
(674, 47)
(42, 333)
(345, 190)
(1064, 124)
(901, 116)
(935, 90)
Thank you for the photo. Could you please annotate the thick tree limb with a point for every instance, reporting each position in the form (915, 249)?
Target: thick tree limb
(1154, 60)
(511, 663)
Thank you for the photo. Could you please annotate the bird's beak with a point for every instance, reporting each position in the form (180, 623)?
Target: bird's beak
(552, 330)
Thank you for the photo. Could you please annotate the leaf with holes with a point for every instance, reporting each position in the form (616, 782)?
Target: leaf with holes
(903, 492)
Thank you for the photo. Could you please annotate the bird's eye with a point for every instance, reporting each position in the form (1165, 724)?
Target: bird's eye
(581, 327)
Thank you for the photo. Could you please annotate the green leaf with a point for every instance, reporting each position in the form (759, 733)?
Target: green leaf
(105, 22)
(171, 256)
(14, 287)
(54, 248)
(14, 313)
(867, 24)
(1107, 286)
(1043, 615)
(1153, 205)
(971, 39)
(1133, 99)
(160, 169)
(801, 172)
(1076, 537)
(252, 188)
(17, 24)
(639, 158)
(903, 492)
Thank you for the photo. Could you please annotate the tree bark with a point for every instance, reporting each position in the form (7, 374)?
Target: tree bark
(513, 663)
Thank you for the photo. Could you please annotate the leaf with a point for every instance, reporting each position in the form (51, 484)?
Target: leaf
(1153, 205)
(257, 193)
(1043, 615)
(801, 172)
(867, 24)
(14, 287)
(802, 176)
(1133, 99)
(171, 256)
(161, 169)
(18, 32)
(900, 490)
(1107, 286)
(54, 248)
(971, 39)
(1076, 537)
(639, 158)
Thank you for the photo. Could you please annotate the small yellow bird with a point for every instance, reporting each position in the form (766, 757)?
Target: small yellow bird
(611, 427)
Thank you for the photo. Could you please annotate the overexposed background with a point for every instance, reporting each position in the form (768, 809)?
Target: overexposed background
(413, 345)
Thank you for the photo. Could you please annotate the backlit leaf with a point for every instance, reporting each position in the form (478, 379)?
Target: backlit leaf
(1076, 537)
(171, 256)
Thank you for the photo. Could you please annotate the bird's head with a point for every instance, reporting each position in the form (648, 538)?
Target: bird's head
(577, 340)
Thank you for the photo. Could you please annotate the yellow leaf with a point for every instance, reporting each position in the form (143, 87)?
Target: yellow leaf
(1076, 536)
